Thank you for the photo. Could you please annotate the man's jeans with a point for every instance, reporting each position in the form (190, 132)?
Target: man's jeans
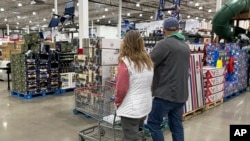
(162, 108)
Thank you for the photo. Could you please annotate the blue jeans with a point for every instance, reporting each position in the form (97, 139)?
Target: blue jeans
(162, 108)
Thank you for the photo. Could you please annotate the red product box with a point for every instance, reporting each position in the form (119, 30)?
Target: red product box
(214, 81)
(214, 89)
(211, 72)
(214, 97)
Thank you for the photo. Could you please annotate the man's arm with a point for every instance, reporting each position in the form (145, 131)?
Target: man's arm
(159, 53)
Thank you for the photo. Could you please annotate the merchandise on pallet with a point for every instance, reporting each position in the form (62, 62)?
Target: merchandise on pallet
(66, 62)
(233, 58)
(24, 74)
(35, 73)
(93, 66)
(214, 80)
(195, 100)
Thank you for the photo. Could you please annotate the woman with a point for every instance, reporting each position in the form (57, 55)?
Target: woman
(135, 73)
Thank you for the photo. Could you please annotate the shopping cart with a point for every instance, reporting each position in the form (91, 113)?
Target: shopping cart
(98, 103)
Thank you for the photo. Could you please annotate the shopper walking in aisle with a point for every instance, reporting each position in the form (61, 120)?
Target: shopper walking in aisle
(170, 82)
(134, 79)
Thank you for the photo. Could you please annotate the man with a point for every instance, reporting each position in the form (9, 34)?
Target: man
(170, 82)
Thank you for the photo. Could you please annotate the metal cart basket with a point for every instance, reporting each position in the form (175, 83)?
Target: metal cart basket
(98, 103)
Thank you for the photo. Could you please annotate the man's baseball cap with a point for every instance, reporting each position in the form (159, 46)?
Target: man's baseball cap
(171, 24)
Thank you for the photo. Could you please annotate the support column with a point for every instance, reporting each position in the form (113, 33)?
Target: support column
(8, 30)
(92, 28)
(56, 6)
(218, 4)
(28, 29)
(83, 20)
(119, 20)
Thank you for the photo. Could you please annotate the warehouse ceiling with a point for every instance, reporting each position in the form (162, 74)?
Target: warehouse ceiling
(102, 12)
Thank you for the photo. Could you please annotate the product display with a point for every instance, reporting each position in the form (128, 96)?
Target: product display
(196, 98)
(93, 66)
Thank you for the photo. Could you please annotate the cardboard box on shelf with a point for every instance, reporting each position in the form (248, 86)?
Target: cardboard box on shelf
(211, 72)
(72, 80)
(15, 51)
(214, 97)
(214, 89)
(214, 81)
(65, 80)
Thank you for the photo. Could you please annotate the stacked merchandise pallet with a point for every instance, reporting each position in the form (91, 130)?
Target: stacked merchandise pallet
(6, 49)
(37, 69)
(93, 68)
(237, 77)
(228, 56)
(24, 78)
(195, 103)
(66, 60)
(214, 80)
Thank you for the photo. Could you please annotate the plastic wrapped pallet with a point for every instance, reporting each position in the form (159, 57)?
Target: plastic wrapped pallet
(196, 88)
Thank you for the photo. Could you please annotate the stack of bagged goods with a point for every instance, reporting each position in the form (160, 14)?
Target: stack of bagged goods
(196, 89)
(214, 80)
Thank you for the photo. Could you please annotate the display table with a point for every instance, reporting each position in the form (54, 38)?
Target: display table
(8, 74)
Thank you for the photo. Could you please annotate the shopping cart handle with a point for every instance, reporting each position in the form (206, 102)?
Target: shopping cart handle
(89, 130)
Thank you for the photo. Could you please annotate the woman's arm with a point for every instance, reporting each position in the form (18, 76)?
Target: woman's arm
(122, 83)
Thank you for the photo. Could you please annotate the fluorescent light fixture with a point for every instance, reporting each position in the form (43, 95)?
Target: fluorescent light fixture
(103, 16)
(30, 21)
(151, 17)
(44, 19)
(128, 14)
(200, 8)
(34, 13)
(188, 16)
(197, 18)
(140, 15)
(191, 2)
(53, 9)
(38, 25)
(169, 12)
(98, 20)
(77, 4)
(106, 9)
(197, 4)
(204, 20)
(17, 23)
(210, 10)
(137, 4)
(18, 17)
(109, 21)
(5, 19)
(2, 9)
(19, 4)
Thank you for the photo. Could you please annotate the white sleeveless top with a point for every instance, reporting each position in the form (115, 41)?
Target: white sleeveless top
(138, 101)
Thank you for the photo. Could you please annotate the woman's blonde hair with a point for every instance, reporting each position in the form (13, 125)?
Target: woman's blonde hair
(133, 48)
